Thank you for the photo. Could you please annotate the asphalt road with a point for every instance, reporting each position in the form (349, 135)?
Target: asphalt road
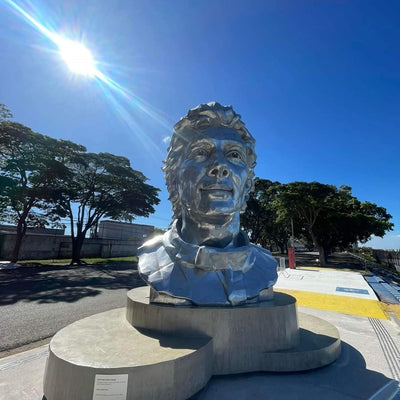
(35, 302)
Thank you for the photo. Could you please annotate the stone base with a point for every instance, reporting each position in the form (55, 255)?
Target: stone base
(319, 345)
(241, 335)
(172, 352)
(158, 366)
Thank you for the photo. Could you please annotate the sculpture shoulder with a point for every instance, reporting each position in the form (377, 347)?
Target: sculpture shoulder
(260, 249)
(263, 255)
(153, 257)
(151, 245)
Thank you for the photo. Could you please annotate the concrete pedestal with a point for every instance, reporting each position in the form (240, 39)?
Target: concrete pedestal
(158, 366)
(241, 335)
(171, 352)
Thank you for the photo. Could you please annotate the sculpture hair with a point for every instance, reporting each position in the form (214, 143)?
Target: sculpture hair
(198, 119)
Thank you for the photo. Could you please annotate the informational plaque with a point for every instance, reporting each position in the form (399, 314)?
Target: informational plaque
(110, 387)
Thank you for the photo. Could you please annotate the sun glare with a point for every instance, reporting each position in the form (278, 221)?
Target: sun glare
(78, 58)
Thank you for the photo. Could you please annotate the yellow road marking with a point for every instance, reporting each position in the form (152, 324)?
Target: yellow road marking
(342, 304)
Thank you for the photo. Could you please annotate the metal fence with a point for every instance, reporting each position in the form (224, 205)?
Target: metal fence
(389, 258)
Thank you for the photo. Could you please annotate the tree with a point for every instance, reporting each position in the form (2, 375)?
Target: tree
(260, 217)
(327, 216)
(28, 171)
(101, 185)
(43, 180)
(5, 113)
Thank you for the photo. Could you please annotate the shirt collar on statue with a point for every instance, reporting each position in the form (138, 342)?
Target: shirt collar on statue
(208, 258)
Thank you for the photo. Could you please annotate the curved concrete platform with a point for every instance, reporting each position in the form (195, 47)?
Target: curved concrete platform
(262, 337)
(319, 345)
(241, 335)
(158, 366)
(173, 351)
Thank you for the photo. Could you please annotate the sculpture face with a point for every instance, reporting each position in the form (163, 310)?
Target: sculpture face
(214, 176)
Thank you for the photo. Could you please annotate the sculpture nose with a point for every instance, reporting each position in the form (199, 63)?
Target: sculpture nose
(218, 171)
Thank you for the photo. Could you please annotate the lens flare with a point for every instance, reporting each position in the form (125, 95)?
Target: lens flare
(78, 58)
(126, 104)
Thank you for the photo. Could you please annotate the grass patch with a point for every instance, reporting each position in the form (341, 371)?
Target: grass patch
(63, 262)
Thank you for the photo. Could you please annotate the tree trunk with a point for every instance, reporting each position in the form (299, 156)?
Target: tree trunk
(21, 230)
(77, 244)
(322, 256)
(321, 249)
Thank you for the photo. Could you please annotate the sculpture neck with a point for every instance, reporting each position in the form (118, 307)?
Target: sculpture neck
(219, 231)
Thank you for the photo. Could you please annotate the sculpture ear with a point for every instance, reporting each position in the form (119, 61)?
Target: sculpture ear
(247, 189)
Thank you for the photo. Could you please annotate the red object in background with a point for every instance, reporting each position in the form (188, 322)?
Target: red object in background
(292, 258)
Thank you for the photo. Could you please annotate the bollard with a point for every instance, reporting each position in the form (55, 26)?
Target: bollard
(282, 263)
(292, 258)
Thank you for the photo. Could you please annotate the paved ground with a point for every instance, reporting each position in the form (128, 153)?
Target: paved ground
(36, 302)
(345, 292)
(368, 368)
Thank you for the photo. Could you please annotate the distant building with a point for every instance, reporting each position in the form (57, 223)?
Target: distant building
(124, 231)
(113, 239)
(43, 231)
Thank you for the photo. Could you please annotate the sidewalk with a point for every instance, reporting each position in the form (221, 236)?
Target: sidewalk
(368, 368)
(332, 290)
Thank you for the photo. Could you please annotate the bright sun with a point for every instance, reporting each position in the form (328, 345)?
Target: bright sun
(78, 58)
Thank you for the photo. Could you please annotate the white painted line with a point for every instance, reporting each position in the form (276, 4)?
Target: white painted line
(23, 360)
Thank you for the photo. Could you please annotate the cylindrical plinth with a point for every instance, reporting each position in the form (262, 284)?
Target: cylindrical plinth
(156, 367)
(241, 335)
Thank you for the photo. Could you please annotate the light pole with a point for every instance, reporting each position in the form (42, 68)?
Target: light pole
(291, 252)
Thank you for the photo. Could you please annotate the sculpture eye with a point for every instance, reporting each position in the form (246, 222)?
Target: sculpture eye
(200, 152)
(236, 155)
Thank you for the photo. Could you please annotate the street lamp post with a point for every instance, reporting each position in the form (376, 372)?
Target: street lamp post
(291, 252)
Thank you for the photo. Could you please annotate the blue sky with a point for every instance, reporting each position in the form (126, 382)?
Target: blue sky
(316, 82)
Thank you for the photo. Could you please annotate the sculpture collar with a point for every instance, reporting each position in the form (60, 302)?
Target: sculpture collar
(208, 258)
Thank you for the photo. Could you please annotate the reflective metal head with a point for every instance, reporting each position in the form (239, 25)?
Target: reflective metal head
(210, 162)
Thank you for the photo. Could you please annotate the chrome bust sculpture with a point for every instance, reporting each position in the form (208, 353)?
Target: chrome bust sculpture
(204, 258)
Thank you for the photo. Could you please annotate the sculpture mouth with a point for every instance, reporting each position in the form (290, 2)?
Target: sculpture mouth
(218, 191)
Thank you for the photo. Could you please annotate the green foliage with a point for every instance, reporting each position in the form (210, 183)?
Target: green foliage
(324, 216)
(260, 219)
(329, 217)
(27, 170)
(367, 253)
(43, 180)
(101, 185)
(5, 113)
(27, 175)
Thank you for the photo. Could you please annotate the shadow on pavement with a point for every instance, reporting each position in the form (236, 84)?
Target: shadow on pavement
(346, 379)
(68, 284)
